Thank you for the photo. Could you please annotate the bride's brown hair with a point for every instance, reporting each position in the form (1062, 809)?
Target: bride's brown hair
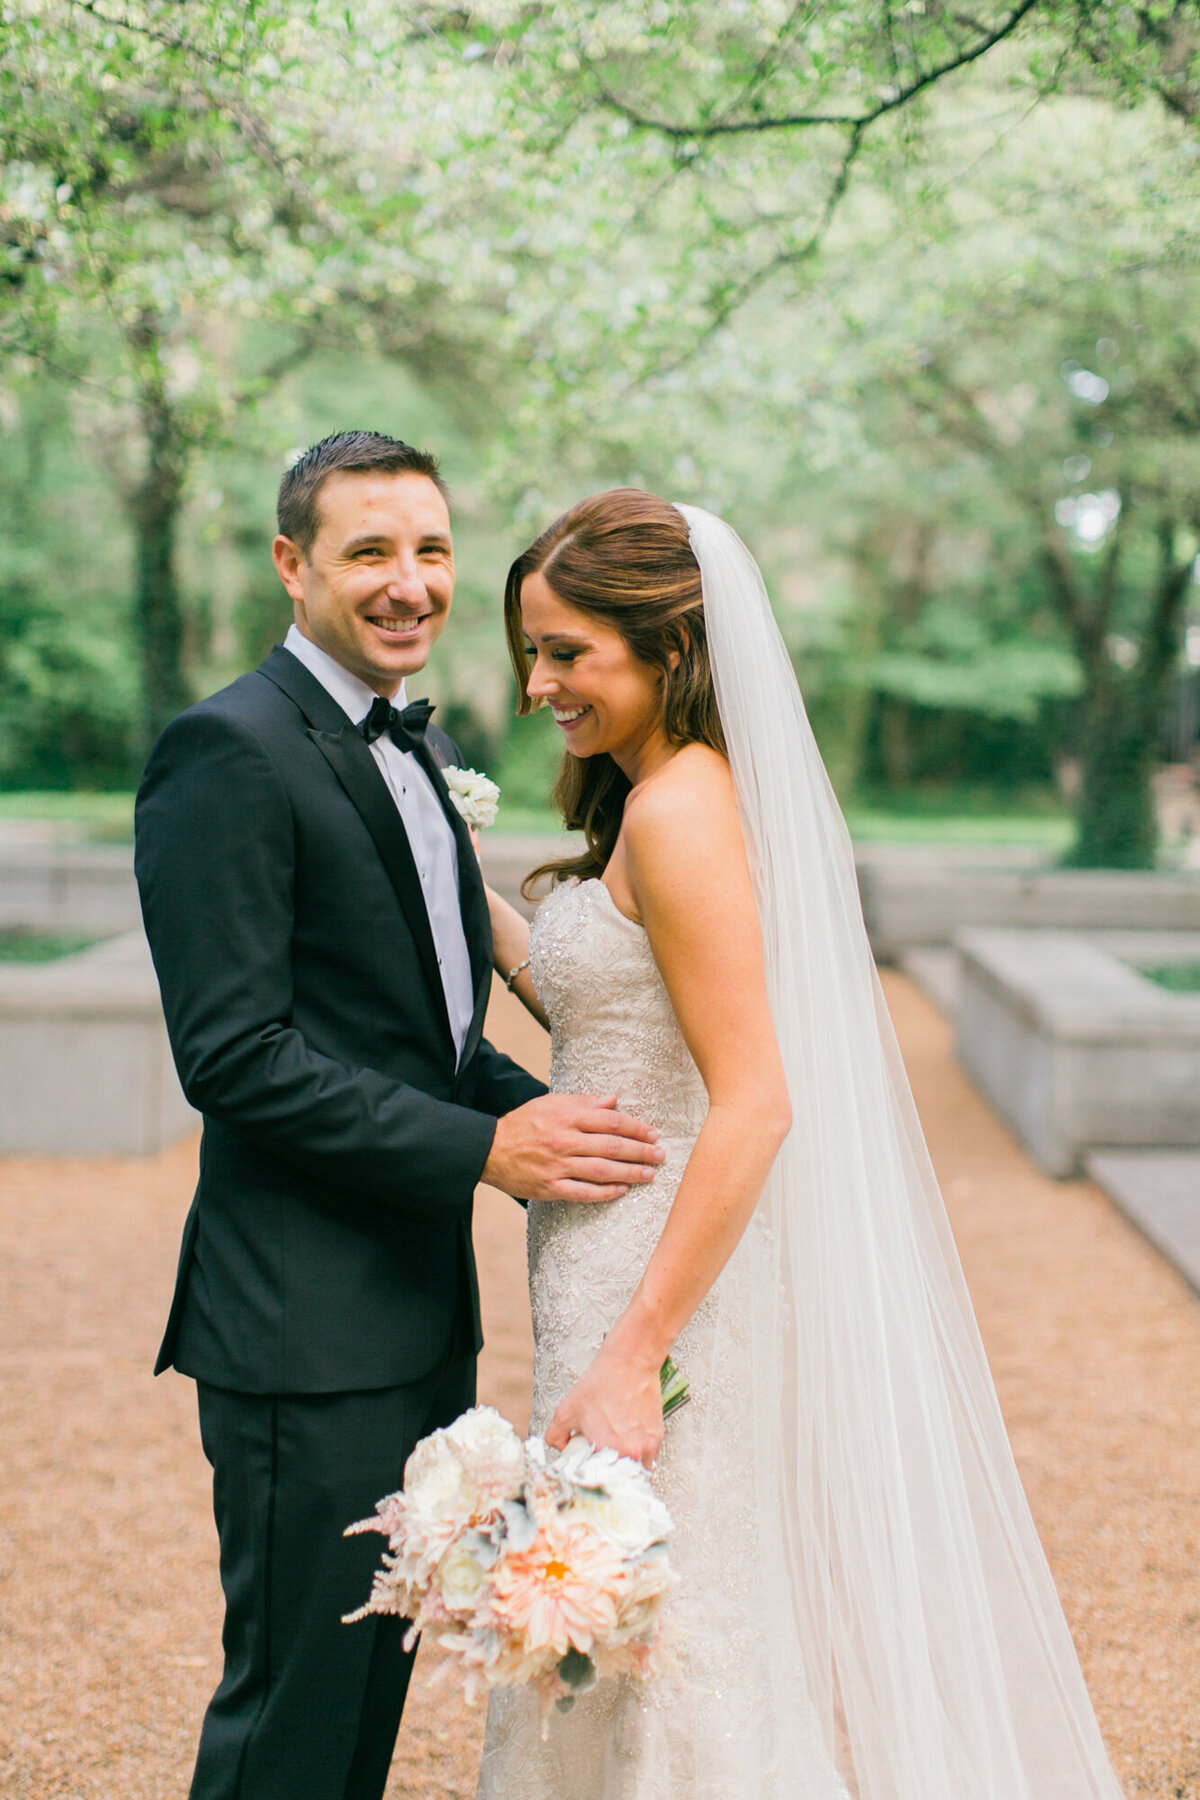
(622, 557)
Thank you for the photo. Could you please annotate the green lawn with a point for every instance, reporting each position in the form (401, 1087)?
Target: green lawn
(923, 816)
(1180, 978)
(108, 818)
(1045, 831)
(520, 820)
(875, 826)
(20, 945)
(104, 818)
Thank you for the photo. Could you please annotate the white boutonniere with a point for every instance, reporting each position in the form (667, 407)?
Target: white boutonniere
(476, 799)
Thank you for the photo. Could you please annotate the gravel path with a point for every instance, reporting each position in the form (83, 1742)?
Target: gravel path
(109, 1604)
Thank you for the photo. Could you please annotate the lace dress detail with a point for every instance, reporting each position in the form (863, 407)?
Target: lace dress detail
(725, 1721)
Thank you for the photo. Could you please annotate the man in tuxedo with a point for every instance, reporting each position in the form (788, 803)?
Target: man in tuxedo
(320, 931)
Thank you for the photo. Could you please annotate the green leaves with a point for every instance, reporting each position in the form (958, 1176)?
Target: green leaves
(675, 241)
(999, 680)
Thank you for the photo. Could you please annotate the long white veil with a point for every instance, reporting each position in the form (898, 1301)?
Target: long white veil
(902, 1556)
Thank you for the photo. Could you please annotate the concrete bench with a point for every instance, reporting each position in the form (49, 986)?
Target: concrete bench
(85, 1065)
(49, 887)
(1074, 1048)
(52, 887)
(929, 900)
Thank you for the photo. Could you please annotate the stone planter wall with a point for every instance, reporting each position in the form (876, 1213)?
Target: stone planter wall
(1074, 1048)
(930, 900)
(85, 1065)
(51, 888)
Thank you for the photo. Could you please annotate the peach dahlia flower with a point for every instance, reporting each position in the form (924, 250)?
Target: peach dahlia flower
(562, 1592)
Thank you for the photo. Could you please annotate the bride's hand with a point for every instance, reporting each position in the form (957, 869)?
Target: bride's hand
(616, 1405)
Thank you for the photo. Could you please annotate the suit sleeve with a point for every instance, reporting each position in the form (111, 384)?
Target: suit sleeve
(502, 1084)
(215, 866)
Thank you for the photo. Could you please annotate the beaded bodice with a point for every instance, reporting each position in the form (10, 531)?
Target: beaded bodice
(612, 1031)
(612, 1026)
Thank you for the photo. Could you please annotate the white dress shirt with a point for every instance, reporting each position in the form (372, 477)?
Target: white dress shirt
(433, 844)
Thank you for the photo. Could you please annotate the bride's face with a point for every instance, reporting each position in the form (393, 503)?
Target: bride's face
(603, 698)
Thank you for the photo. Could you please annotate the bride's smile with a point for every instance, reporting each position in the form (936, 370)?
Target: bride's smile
(604, 699)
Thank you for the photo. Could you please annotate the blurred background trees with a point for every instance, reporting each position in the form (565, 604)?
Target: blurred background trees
(909, 292)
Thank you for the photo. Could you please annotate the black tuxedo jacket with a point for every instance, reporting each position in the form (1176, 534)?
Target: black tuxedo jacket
(328, 1247)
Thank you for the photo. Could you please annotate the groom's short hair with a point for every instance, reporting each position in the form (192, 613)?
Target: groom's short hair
(296, 509)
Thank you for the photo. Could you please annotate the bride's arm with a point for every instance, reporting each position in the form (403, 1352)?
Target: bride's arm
(510, 948)
(686, 863)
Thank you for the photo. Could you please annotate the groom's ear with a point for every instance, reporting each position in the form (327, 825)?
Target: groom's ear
(288, 560)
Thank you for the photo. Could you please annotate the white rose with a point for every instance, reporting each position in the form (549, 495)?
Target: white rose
(459, 1577)
(491, 1456)
(464, 1469)
(434, 1487)
(475, 797)
(460, 1474)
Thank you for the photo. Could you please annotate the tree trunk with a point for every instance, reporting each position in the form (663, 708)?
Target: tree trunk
(1115, 824)
(895, 741)
(155, 503)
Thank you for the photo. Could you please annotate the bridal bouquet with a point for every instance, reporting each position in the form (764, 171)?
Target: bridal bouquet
(531, 1567)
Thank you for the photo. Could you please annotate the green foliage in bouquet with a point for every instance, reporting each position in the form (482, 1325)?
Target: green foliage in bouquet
(674, 1386)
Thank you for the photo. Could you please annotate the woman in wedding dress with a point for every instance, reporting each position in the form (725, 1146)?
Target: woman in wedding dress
(862, 1605)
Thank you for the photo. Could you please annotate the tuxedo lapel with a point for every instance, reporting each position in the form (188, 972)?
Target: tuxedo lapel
(477, 924)
(345, 750)
(303, 689)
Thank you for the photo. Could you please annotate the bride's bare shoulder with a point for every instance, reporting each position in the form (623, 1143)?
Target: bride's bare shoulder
(696, 776)
(686, 814)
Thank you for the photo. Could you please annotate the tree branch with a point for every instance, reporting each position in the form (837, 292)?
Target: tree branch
(1076, 615)
(766, 64)
(1160, 645)
(737, 296)
(807, 250)
(170, 41)
(281, 365)
(1179, 94)
(802, 120)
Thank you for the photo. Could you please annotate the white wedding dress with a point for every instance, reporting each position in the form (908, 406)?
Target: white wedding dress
(861, 1587)
(725, 1723)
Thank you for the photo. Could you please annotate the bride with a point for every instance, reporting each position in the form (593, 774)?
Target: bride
(863, 1605)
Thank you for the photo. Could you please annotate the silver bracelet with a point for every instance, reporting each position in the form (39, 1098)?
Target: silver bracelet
(511, 977)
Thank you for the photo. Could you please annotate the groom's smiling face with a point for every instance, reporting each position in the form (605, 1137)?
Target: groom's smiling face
(374, 590)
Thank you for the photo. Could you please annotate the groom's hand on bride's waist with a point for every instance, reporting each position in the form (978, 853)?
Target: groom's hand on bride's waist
(571, 1147)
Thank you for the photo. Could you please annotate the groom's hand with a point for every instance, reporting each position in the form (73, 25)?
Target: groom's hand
(571, 1147)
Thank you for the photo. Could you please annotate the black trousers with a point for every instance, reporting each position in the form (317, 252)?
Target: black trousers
(308, 1708)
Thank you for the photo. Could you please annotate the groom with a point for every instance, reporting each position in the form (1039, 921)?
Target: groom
(320, 931)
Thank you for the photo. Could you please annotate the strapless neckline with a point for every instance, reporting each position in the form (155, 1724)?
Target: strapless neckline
(599, 881)
(612, 1027)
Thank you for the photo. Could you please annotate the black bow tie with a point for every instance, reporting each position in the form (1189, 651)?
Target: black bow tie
(406, 729)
